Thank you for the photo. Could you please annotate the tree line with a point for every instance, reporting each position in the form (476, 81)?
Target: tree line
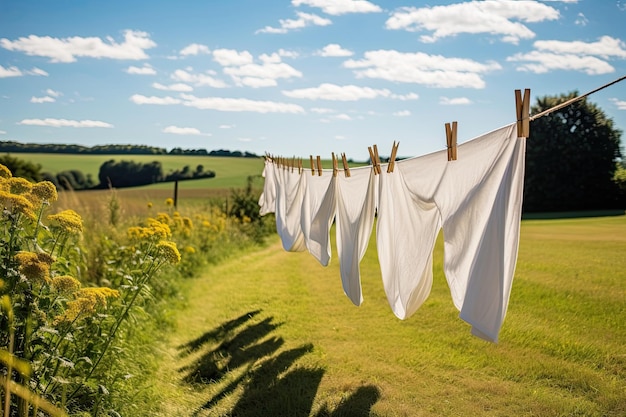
(18, 147)
(112, 173)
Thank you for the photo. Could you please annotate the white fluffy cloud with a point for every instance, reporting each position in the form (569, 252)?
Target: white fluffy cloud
(303, 20)
(65, 123)
(339, 7)
(333, 49)
(16, 72)
(69, 49)
(455, 101)
(242, 69)
(146, 69)
(45, 99)
(335, 92)
(184, 131)
(221, 104)
(621, 104)
(543, 62)
(10, 72)
(195, 49)
(200, 80)
(588, 57)
(421, 68)
(37, 71)
(240, 105)
(605, 47)
(496, 17)
(163, 101)
(402, 113)
(180, 87)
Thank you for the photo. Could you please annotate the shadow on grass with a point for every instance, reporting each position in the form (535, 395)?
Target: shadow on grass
(358, 404)
(270, 380)
(571, 214)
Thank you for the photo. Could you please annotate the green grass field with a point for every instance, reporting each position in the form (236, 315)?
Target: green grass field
(230, 172)
(271, 333)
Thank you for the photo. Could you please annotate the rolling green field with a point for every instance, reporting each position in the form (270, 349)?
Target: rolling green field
(230, 172)
(270, 333)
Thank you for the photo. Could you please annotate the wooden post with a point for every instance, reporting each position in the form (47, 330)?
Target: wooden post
(175, 193)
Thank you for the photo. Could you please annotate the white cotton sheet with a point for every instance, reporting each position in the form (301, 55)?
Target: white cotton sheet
(478, 198)
(318, 212)
(267, 200)
(289, 196)
(356, 211)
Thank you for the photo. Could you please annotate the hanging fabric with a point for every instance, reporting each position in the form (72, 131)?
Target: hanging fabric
(356, 211)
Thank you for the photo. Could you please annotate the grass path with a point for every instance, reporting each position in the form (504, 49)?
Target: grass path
(271, 333)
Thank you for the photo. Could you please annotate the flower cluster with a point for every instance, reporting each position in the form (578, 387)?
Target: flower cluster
(34, 266)
(68, 220)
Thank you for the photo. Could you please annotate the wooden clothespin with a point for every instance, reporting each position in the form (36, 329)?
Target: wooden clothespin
(377, 158)
(335, 168)
(346, 169)
(312, 166)
(319, 165)
(522, 112)
(372, 160)
(392, 158)
(451, 140)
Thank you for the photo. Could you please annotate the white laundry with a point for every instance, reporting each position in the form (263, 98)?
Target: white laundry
(289, 196)
(318, 212)
(477, 200)
(267, 200)
(356, 210)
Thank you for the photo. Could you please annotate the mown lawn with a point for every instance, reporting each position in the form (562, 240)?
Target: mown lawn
(271, 333)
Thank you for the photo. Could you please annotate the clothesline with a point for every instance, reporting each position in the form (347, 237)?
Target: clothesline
(575, 99)
(476, 200)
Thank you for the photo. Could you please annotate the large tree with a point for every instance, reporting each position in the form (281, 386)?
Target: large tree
(571, 157)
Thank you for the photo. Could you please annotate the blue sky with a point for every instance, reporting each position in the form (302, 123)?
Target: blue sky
(296, 77)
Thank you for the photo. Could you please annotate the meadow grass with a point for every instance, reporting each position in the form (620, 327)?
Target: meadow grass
(230, 171)
(270, 333)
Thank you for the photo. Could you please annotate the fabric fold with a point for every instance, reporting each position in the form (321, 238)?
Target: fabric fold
(356, 211)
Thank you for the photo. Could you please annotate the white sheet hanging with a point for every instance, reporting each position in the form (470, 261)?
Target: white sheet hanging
(356, 210)
(289, 196)
(318, 212)
(476, 199)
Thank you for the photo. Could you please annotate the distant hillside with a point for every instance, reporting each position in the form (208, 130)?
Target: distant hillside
(17, 147)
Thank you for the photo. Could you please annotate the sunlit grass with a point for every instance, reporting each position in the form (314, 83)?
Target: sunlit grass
(299, 347)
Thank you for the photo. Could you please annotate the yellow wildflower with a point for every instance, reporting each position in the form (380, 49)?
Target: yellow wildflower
(163, 218)
(34, 266)
(189, 249)
(149, 204)
(86, 301)
(65, 284)
(5, 172)
(45, 191)
(68, 220)
(169, 251)
(99, 293)
(188, 223)
(138, 233)
(169, 202)
(19, 185)
(159, 229)
(17, 204)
